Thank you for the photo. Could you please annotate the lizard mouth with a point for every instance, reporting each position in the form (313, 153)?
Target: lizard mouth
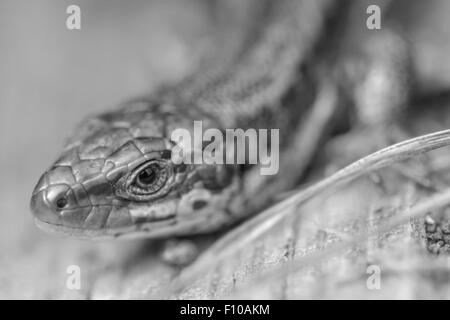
(129, 232)
(72, 232)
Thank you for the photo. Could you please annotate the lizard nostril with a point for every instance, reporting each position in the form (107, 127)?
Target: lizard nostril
(61, 202)
(58, 196)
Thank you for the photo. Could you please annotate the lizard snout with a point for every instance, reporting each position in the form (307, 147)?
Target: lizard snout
(49, 204)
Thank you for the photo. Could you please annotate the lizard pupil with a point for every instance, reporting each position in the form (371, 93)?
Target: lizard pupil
(61, 202)
(147, 176)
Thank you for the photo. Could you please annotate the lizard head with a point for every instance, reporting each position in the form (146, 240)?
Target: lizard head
(115, 177)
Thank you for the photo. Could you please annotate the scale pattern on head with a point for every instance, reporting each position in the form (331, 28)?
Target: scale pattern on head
(115, 177)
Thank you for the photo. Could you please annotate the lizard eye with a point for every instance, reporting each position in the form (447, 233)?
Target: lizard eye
(148, 178)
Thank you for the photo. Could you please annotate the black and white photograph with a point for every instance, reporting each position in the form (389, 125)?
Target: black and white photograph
(244, 151)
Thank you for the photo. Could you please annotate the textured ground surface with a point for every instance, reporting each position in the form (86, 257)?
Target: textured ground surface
(50, 78)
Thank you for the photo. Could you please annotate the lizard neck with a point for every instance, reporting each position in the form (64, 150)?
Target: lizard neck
(256, 81)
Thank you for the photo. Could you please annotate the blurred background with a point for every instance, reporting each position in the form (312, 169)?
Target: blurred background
(51, 77)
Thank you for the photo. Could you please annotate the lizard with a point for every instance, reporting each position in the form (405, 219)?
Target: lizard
(115, 177)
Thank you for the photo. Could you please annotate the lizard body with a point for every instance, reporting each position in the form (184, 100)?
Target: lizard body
(115, 176)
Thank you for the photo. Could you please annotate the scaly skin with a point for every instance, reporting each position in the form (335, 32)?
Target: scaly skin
(93, 189)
